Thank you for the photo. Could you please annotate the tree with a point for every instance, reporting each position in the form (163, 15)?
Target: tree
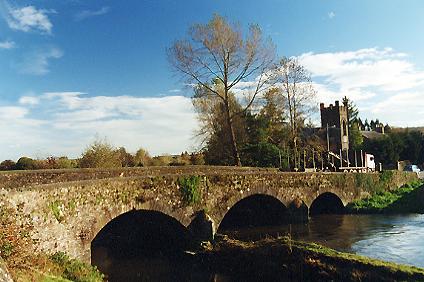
(142, 158)
(100, 154)
(273, 113)
(296, 87)
(126, 159)
(219, 51)
(7, 165)
(25, 163)
(355, 123)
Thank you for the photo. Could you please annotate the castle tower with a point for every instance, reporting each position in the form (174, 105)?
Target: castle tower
(337, 119)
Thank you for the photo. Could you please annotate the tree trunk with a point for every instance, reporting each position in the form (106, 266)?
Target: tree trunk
(236, 155)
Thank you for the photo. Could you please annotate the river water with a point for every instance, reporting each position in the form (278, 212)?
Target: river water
(396, 238)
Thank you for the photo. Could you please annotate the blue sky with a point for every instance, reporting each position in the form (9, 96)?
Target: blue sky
(73, 69)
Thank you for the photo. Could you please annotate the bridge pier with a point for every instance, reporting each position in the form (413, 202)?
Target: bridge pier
(299, 211)
(202, 227)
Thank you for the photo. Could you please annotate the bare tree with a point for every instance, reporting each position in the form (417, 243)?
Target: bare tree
(296, 86)
(218, 51)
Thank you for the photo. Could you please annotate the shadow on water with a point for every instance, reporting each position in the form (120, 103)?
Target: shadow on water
(151, 246)
(146, 246)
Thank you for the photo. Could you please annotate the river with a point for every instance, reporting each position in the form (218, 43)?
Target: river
(396, 238)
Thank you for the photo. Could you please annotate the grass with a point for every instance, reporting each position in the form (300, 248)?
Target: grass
(284, 259)
(56, 208)
(387, 201)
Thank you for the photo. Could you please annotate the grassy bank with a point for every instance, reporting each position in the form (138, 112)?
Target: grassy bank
(407, 199)
(26, 264)
(283, 259)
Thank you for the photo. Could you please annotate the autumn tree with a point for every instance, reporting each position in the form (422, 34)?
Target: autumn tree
(213, 131)
(221, 51)
(100, 154)
(142, 158)
(296, 87)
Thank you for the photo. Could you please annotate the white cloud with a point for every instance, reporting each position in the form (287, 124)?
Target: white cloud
(8, 44)
(331, 15)
(29, 100)
(37, 62)
(90, 13)
(383, 68)
(29, 18)
(64, 123)
(384, 83)
(12, 113)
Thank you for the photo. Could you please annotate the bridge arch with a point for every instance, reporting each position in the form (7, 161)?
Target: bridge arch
(253, 211)
(138, 233)
(326, 203)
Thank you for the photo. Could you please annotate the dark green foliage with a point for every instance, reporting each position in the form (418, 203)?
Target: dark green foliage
(75, 270)
(261, 154)
(386, 176)
(26, 163)
(395, 146)
(190, 190)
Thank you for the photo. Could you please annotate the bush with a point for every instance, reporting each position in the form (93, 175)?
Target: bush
(26, 163)
(75, 270)
(7, 165)
(100, 154)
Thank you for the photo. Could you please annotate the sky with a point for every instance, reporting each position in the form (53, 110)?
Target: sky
(72, 71)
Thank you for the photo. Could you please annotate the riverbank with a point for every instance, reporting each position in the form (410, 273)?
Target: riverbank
(407, 199)
(283, 259)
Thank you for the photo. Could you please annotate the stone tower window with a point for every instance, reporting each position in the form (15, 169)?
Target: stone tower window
(344, 128)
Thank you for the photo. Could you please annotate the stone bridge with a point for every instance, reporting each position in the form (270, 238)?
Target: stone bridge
(68, 208)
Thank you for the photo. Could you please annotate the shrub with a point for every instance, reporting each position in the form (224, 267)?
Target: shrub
(75, 270)
(100, 154)
(26, 163)
(7, 165)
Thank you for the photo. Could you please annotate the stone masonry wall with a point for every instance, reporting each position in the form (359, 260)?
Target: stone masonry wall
(67, 215)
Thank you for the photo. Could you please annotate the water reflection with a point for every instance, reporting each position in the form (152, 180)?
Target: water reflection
(397, 238)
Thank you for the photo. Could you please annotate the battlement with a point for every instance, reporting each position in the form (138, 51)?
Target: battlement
(336, 118)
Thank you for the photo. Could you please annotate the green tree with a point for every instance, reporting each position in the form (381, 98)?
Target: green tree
(100, 154)
(352, 111)
(355, 123)
(261, 154)
(214, 132)
(25, 163)
(219, 51)
(274, 116)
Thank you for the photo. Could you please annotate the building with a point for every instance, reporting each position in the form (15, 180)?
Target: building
(335, 120)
